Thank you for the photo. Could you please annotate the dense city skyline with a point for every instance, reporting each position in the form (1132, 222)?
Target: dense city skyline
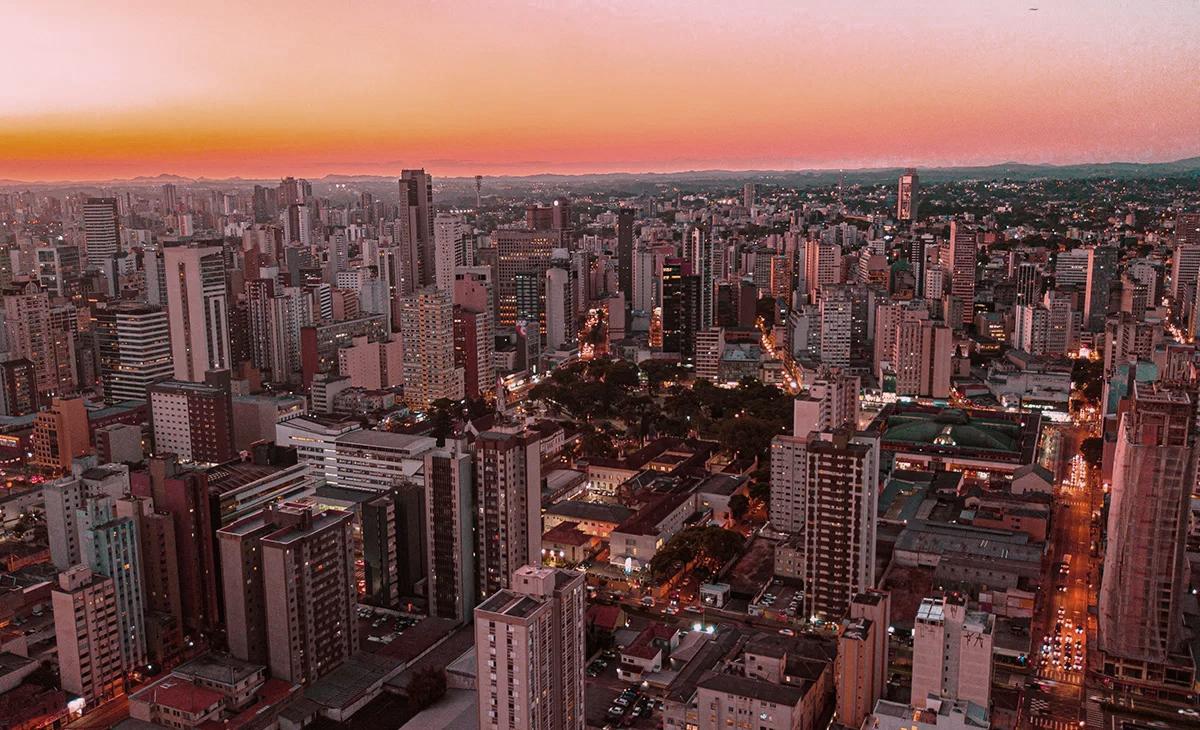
(571, 88)
(577, 365)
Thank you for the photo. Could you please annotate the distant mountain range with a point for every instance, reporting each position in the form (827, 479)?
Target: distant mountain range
(1189, 167)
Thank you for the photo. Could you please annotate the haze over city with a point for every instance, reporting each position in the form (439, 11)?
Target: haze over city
(310, 88)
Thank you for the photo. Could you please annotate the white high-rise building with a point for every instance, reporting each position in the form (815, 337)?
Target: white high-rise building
(952, 653)
(530, 652)
(451, 249)
(822, 267)
(789, 477)
(198, 308)
(101, 230)
(560, 304)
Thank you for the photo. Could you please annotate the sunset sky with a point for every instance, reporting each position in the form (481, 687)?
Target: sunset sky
(268, 88)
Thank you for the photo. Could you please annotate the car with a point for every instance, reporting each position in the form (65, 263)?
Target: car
(593, 673)
(609, 654)
(621, 702)
(671, 610)
(693, 609)
(615, 712)
(648, 601)
(787, 632)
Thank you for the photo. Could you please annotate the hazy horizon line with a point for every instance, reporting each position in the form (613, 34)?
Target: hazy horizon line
(661, 172)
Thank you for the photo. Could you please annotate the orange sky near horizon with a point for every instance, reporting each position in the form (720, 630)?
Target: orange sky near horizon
(275, 88)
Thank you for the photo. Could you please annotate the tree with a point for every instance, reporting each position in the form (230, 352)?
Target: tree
(739, 504)
(427, 686)
(442, 420)
(596, 444)
(1092, 450)
(746, 435)
(761, 491)
(710, 547)
(765, 308)
(624, 375)
(658, 372)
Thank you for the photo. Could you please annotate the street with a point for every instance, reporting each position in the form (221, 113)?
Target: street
(1054, 698)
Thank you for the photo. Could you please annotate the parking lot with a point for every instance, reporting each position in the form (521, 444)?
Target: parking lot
(378, 628)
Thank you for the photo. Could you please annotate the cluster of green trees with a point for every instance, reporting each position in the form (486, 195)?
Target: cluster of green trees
(1088, 377)
(710, 547)
(616, 399)
(744, 418)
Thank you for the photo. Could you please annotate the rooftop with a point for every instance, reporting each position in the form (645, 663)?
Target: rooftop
(591, 511)
(179, 694)
(780, 694)
(647, 519)
(222, 668)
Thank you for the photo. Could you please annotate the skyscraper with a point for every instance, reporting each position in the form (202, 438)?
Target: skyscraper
(907, 196)
(134, 347)
(427, 331)
(680, 310)
(101, 230)
(837, 536)
(958, 263)
(416, 193)
(509, 529)
(822, 268)
(194, 421)
(530, 652)
(198, 308)
(1102, 272)
(561, 321)
(1143, 584)
(87, 635)
(703, 261)
(182, 497)
(450, 531)
(451, 250)
(520, 251)
(28, 332)
(836, 321)
(109, 547)
(474, 341)
(288, 573)
(60, 434)
(625, 218)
